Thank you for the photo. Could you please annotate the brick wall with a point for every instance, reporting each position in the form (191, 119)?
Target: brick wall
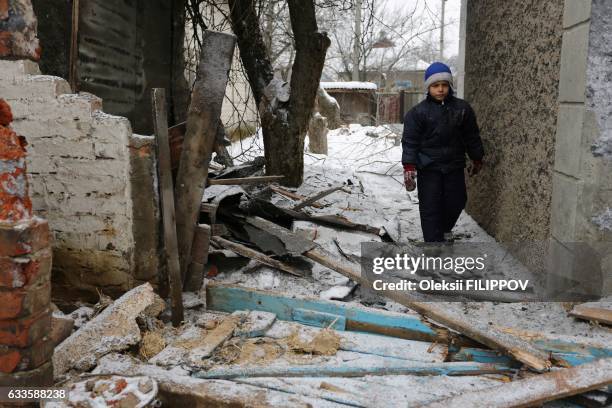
(81, 164)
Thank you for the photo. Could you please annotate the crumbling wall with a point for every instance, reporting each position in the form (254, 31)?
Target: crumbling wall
(86, 167)
(512, 67)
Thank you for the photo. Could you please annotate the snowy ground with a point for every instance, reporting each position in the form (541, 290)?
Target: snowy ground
(367, 160)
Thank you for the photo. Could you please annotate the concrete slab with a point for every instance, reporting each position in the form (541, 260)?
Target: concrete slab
(576, 11)
(574, 53)
(568, 140)
(563, 207)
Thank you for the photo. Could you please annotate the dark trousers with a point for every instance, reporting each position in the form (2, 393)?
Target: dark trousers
(442, 197)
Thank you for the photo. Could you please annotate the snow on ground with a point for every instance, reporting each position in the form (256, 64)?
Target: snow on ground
(367, 160)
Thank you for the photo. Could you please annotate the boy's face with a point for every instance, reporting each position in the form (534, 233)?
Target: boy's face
(439, 90)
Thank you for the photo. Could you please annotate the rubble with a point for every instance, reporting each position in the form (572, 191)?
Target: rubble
(61, 327)
(112, 391)
(256, 324)
(214, 339)
(114, 329)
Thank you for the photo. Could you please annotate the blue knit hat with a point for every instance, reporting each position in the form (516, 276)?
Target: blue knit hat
(438, 71)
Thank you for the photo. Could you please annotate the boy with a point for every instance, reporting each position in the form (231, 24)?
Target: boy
(438, 132)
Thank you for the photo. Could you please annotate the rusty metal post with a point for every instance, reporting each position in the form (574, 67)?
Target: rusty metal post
(25, 271)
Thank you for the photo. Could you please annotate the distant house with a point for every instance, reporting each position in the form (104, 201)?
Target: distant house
(357, 100)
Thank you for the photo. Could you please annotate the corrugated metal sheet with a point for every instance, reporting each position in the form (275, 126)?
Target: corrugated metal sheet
(125, 50)
(110, 56)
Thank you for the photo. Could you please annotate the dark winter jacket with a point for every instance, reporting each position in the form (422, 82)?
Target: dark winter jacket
(437, 135)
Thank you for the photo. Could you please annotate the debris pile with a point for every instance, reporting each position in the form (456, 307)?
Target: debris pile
(263, 320)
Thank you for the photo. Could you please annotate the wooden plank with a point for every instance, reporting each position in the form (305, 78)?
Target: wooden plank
(292, 195)
(365, 344)
(321, 389)
(536, 390)
(199, 258)
(319, 319)
(244, 180)
(382, 368)
(201, 241)
(210, 209)
(258, 256)
(214, 339)
(312, 199)
(230, 298)
(593, 312)
(167, 204)
(74, 47)
(179, 390)
(202, 122)
(562, 358)
(479, 331)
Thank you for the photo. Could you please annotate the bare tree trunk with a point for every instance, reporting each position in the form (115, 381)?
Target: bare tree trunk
(317, 134)
(284, 114)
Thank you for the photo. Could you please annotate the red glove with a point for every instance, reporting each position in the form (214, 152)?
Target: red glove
(410, 176)
(475, 168)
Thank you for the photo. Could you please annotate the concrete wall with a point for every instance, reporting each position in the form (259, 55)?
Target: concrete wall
(582, 187)
(512, 67)
(91, 178)
(539, 75)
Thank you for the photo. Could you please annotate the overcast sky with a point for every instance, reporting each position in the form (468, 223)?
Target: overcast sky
(451, 31)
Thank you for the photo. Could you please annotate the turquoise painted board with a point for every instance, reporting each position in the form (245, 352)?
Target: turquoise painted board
(345, 370)
(226, 298)
(321, 313)
(563, 353)
(319, 319)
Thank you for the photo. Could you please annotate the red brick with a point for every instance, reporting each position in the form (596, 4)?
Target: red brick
(4, 9)
(26, 331)
(40, 377)
(9, 360)
(24, 237)
(14, 359)
(24, 302)
(26, 270)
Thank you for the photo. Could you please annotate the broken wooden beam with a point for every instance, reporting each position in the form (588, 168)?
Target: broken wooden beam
(563, 354)
(292, 195)
(210, 210)
(478, 331)
(114, 329)
(214, 339)
(365, 343)
(594, 312)
(258, 256)
(199, 258)
(167, 204)
(388, 367)
(425, 305)
(316, 197)
(244, 180)
(536, 390)
(176, 389)
(200, 135)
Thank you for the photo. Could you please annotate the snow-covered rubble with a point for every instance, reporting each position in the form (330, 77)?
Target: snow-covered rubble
(367, 159)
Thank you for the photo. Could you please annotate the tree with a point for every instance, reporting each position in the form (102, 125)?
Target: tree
(391, 38)
(285, 108)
